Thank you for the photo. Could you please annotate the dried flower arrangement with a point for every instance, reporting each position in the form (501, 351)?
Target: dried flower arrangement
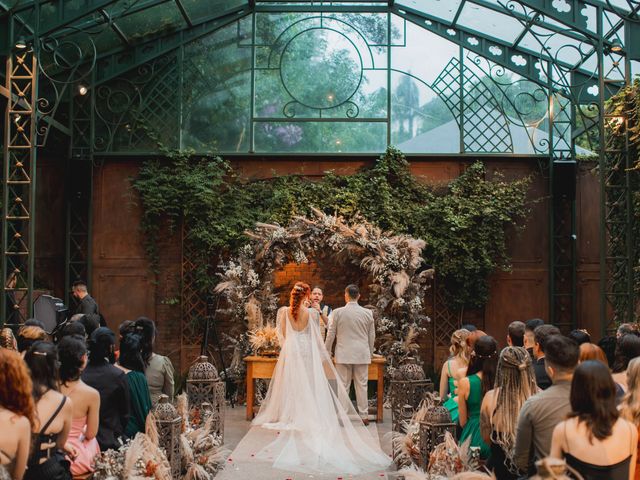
(265, 340)
(393, 262)
(137, 459)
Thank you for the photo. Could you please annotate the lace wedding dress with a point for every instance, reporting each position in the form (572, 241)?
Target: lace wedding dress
(319, 430)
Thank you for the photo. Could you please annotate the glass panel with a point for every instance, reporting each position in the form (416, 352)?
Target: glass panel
(421, 120)
(217, 93)
(197, 9)
(150, 21)
(555, 45)
(491, 23)
(445, 10)
(320, 137)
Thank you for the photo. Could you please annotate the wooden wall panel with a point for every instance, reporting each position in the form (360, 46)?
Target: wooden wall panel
(519, 295)
(116, 234)
(124, 295)
(50, 226)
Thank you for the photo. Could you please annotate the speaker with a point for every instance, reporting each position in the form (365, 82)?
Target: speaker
(51, 311)
(564, 179)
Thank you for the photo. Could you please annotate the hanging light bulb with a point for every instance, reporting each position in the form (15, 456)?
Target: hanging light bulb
(21, 43)
(82, 89)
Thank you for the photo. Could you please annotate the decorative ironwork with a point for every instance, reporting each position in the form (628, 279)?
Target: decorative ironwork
(194, 306)
(205, 386)
(405, 396)
(169, 425)
(436, 423)
(18, 233)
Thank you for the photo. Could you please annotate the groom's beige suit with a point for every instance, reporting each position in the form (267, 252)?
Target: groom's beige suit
(353, 328)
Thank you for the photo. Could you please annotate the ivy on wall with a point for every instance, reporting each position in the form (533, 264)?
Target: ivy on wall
(626, 104)
(465, 224)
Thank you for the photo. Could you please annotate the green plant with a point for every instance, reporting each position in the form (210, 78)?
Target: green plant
(465, 225)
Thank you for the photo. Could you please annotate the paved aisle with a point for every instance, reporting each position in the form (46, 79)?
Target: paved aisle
(242, 465)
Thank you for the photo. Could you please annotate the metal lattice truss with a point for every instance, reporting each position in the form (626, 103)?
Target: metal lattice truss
(130, 55)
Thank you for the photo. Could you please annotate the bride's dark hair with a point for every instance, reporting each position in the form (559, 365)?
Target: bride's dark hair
(298, 293)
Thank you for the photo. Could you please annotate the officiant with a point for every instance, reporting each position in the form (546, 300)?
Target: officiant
(323, 309)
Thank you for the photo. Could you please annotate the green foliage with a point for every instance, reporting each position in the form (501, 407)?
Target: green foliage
(626, 105)
(465, 224)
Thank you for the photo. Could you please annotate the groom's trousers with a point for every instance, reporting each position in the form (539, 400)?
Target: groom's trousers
(359, 374)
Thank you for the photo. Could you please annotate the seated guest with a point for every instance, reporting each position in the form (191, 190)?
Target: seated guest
(543, 411)
(158, 368)
(111, 384)
(453, 370)
(540, 337)
(579, 336)
(529, 338)
(90, 322)
(8, 340)
(630, 407)
(17, 415)
(28, 335)
(625, 328)
(73, 328)
(131, 363)
(590, 351)
(515, 334)
(86, 404)
(515, 383)
(594, 441)
(472, 338)
(628, 348)
(608, 346)
(472, 388)
(54, 411)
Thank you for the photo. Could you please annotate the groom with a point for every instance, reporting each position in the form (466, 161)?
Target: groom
(354, 329)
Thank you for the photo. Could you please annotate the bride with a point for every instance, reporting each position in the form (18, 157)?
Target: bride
(319, 431)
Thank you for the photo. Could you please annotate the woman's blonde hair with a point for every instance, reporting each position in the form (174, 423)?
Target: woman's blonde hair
(459, 347)
(515, 382)
(630, 406)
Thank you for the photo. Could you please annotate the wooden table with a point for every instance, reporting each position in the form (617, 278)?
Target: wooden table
(262, 367)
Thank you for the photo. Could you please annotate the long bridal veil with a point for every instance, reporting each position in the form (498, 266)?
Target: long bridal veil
(319, 430)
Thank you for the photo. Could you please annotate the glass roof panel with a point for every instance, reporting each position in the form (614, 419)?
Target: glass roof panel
(490, 22)
(197, 9)
(445, 9)
(163, 17)
(555, 45)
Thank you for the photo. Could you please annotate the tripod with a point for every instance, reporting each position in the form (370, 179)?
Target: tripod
(212, 308)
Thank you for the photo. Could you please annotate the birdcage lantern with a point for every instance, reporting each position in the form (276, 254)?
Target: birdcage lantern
(204, 386)
(437, 421)
(405, 393)
(169, 425)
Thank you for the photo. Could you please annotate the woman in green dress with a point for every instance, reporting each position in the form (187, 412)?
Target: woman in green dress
(130, 361)
(472, 388)
(453, 370)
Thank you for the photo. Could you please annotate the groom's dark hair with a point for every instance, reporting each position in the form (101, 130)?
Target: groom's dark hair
(353, 291)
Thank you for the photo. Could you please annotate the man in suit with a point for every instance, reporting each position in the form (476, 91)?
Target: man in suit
(86, 304)
(353, 328)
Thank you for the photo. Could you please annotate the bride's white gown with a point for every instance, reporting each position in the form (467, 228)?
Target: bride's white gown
(319, 429)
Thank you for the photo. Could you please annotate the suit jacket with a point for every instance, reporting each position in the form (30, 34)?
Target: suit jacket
(111, 383)
(353, 328)
(542, 379)
(87, 306)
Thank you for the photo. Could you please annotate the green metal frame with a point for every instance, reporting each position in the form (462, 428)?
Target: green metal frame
(19, 185)
(567, 85)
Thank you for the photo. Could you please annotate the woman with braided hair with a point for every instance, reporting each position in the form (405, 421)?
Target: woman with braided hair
(319, 430)
(515, 383)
